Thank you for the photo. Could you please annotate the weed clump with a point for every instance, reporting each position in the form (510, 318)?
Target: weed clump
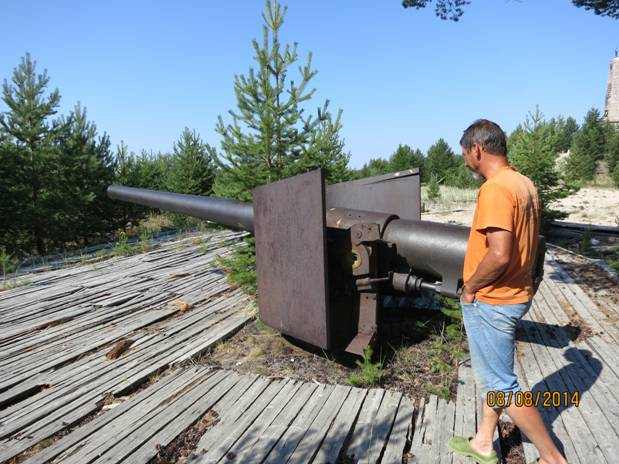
(241, 266)
(369, 372)
(122, 247)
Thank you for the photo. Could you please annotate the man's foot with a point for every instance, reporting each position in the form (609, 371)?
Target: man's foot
(462, 446)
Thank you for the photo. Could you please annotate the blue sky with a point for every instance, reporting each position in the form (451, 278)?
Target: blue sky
(146, 69)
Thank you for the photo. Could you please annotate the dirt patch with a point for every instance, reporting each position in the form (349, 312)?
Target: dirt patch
(591, 205)
(419, 349)
(511, 443)
(424, 350)
(179, 449)
(258, 349)
(119, 348)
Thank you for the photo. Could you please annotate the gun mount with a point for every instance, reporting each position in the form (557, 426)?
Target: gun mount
(325, 254)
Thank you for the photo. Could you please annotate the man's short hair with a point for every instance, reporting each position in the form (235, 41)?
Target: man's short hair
(486, 134)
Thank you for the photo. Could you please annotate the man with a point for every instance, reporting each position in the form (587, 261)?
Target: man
(498, 288)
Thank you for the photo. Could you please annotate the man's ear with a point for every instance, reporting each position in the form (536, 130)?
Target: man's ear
(477, 152)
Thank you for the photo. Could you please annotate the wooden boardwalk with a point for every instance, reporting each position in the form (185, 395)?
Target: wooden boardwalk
(548, 359)
(62, 399)
(170, 304)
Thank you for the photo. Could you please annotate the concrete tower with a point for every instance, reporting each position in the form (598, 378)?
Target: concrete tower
(611, 108)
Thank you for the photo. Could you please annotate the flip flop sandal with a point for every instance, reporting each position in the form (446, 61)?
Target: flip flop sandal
(462, 446)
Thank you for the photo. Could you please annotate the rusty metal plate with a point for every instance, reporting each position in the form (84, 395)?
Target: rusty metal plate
(396, 193)
(289, 226)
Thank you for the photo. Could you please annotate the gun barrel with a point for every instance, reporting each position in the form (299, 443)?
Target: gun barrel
(431, 248)
(230, 213)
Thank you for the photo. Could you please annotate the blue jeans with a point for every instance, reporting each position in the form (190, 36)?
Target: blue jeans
(491, 332)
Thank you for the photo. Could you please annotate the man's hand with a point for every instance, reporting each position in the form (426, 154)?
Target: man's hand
(467, 296)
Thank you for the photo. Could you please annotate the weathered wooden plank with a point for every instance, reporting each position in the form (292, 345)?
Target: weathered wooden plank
(382, 425)
(535, 378)
(585, 433)
(400, 433)
(83, 345)
(581, 375)
(315, 434)
(547, 307)
(424, 424)
(130, 430)
(362, 433)
(143, 443)
(282, 451)
(585, 307)
(434, 440)
(259, 447)
(232, 432)
(255, 431)
(83, 407)
(164, 352)
(146, 399)
(341, 428)
(446, 432)
(462, 414)
(229, 412)
(599, 342)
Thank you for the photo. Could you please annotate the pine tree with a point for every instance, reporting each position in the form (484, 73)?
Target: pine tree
(125, 173)
(460, 176)
(439, 162)
(326, 149)
(566, 129)
(434, 189)
(615, 175)
(152, 169)
(146, 170)
(14, 194)
(86, 168)
(192, 170)
(269, 138)
(612, 150)
(532, 150)
(31, 132)
(374, 167)
(405, 157)
(588, 146)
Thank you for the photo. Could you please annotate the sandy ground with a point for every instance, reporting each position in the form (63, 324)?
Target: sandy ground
(590, 205)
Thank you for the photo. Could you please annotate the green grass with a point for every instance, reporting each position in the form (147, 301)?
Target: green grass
(446, 347)
(8, 284)
(122, 246)
(448, 198)
(144, 241)
(241, 266)
(9, 265)
(369, 373)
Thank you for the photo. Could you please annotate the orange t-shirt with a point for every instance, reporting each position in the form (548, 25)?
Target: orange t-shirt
(507, 201)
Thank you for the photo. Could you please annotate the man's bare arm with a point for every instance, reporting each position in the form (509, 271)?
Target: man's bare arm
(500, 243)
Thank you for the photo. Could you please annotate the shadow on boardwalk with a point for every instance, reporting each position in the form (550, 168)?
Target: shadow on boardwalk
(578, 376)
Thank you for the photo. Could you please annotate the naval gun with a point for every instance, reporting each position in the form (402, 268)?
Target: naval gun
(325, 254)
